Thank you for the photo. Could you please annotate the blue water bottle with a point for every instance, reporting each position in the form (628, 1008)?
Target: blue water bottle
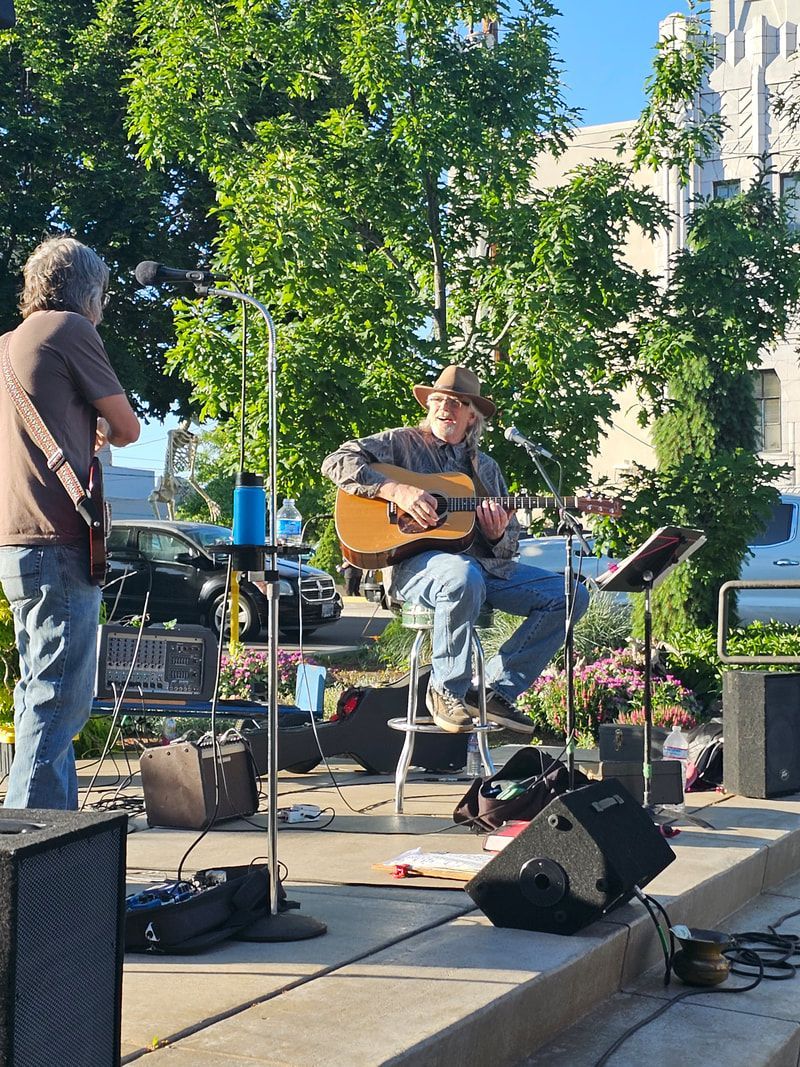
(249, 510)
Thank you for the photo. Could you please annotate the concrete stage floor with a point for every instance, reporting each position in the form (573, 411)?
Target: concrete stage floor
(410, 972)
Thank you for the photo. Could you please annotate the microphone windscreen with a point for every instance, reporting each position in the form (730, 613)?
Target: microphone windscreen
(147, 272)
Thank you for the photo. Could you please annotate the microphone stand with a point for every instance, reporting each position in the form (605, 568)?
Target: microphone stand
(573, 529)
(277, 925)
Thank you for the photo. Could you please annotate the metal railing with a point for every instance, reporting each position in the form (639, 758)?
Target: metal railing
(723, 619)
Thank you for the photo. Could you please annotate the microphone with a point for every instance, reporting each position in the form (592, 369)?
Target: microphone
(512, 434)
(150, 273)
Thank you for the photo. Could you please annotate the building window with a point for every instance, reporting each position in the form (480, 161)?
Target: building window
(725, 190)
(790, 192)
(768, 401)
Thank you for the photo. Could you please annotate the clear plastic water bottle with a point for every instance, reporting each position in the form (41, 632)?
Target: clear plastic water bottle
(473, 768)
(289, 524)
(169, 730)
(676, 746)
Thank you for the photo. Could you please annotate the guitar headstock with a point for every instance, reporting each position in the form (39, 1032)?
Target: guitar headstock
(600, 505)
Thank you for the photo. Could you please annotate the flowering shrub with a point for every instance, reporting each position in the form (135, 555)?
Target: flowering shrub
(608, 690)
(245, 674)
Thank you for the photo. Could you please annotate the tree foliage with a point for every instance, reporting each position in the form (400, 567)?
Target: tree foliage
(66, 166)
(373, 168)
(734, 289)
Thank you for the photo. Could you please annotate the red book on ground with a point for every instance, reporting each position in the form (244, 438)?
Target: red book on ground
(498, 839)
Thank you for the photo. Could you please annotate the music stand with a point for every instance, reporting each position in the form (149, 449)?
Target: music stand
(642, 572)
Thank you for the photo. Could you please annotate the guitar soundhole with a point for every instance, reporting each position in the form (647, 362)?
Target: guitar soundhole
(407, 525)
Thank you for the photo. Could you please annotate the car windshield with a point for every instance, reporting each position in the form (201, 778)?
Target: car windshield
(206, 535)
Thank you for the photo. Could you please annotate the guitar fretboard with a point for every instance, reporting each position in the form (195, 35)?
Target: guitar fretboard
(470, 503)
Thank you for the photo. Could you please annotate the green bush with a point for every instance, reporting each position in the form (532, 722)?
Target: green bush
(328, 554)
(692, 654)
(9, 660)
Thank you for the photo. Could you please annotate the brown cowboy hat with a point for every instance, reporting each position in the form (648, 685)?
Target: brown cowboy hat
(461, 383)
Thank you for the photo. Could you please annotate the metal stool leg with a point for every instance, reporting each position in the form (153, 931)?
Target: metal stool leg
(482, 729)
(404, 762)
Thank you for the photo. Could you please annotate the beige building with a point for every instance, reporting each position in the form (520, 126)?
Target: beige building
(757, 56)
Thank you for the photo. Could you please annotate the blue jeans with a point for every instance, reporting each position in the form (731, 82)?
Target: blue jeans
(56, 612)
(456, 587)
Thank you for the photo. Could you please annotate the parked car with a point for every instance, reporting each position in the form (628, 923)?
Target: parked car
(187, 581)
(773, 556)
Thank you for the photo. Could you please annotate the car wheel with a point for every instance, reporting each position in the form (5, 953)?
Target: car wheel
(249, 622)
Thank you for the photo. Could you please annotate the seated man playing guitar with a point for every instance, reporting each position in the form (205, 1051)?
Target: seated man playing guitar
(469, 567)
(54, 365)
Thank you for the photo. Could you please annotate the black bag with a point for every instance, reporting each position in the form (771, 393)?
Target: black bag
(485, 813)
(704, 769)
(210, 915)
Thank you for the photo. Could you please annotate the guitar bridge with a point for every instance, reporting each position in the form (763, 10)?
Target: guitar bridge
(392, 513)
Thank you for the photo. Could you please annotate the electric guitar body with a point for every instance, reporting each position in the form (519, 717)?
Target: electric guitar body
(374, 533)
(99, 528)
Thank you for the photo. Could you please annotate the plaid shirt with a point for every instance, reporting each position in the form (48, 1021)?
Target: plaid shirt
(350, 467)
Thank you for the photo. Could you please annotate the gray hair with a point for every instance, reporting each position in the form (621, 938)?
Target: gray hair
(62, 274)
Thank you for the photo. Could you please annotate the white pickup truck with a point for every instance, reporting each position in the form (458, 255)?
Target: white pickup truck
(774, 556)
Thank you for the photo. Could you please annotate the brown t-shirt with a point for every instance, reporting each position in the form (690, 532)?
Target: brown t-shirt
(62, 365)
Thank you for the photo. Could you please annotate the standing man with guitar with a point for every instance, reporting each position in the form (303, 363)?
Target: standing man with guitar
(482, 569)
(56, 359)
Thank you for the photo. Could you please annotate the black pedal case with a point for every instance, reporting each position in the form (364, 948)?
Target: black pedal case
(666, 785)
(625, 742)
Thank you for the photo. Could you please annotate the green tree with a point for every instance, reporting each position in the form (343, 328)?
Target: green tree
(66, 166)
(374, 168)
(733, 290)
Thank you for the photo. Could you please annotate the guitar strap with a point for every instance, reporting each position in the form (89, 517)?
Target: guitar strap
(482, 490)
(43, 439)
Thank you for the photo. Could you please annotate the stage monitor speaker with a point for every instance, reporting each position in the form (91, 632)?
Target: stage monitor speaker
(178, 784)
(62, 902)
(761, 731)
(580, 857)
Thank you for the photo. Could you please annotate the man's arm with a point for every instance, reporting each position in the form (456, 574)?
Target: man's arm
(121, 424)
(351, 468)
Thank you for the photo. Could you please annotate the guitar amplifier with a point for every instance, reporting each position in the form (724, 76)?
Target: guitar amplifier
(179, 789)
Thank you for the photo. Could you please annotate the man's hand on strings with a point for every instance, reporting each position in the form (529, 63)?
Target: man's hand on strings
(421, 506)
(492, 519)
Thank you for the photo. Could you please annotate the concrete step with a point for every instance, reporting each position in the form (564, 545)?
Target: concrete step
(757, 1028)
(464, 992)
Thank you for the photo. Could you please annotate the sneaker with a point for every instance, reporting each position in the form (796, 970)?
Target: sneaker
(502, 711)
(449, 712)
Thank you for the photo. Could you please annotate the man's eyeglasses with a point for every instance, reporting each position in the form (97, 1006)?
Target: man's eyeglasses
(448, 401)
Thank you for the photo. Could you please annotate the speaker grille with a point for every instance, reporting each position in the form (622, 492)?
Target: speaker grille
(67, 959)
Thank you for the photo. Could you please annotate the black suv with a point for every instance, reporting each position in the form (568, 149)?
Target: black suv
(187, 582)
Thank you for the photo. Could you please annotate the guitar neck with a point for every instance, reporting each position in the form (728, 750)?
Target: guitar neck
(511, 502)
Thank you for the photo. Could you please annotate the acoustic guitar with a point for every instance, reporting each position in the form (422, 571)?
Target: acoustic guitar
(375, 533)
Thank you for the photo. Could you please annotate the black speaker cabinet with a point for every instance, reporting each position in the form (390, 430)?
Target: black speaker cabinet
(761, 730)
(179, 790)
(62, 901)
(580, 857)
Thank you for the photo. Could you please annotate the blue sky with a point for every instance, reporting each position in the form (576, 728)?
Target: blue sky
(606, 47)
